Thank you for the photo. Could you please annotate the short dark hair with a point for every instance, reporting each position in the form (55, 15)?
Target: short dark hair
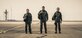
(58, 8)
(27, 9)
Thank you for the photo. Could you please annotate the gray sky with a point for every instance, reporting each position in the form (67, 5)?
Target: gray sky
(71, 9)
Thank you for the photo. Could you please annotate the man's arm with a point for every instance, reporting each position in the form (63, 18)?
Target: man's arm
(24, 17)
(61, 16)
(39, 14)
(31, 17)
(53, 18)
(47, 15)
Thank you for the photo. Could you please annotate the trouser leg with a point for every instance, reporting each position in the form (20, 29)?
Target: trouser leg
(59, 27)
(30, 31)
(41, 27)
(55, 27)
(25, 27)
(45, 27)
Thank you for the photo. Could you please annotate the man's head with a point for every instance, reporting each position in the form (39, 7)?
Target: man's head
(58, 8)
(5, 9)
(27, 10)
(43, 7)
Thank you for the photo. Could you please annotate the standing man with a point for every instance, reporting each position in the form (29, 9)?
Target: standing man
(6, 13)
(58, 19)
(43, 17)
(28, 20)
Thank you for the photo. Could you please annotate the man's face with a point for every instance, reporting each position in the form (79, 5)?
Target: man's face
(43, 8)
(27, 10)
(58, 9)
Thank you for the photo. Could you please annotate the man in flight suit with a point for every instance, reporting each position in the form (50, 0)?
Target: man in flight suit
(28, 20)
(58, 19)
(43, 17)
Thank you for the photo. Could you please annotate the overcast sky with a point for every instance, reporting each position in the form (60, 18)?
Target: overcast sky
(70, 9)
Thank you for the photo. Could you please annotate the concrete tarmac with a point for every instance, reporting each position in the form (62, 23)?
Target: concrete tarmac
(16, 30)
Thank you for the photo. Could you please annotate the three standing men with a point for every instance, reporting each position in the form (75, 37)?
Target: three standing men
(58, 19)
(28, 20)
(43, 17)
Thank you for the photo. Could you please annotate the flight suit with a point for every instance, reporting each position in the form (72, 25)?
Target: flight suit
(58, 19)
(28, 20)
(43, 17)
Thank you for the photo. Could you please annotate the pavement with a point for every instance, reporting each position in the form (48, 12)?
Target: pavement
(16, 30)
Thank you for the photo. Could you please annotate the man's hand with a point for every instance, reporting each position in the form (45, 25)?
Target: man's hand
(60, 21)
